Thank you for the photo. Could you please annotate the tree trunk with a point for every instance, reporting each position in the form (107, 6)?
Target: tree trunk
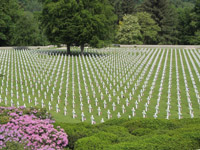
(68, 49)
(82, 49)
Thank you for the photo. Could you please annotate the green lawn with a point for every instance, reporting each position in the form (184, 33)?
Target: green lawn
(96, 71)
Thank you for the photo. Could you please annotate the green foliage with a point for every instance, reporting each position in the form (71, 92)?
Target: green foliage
(9, 13)
(19, 27)
(189, 26)
(14, 146)
(124, 7)
(184, 28)
(117, 130)
(95, 23)
(76, 131)
(97, 141)
(79, 22)
(164, 142)
(107, 136)
(4, 119)
(146, 134)
(58, 20)
(129, 31)
(26, 31)
(141, 131)
(195, 40)
(150, 124)
(149, 28)
(90, 143)
(31, 5)
(165, 17)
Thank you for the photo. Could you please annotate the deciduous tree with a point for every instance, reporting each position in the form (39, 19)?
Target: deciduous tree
(149, 28)
(129, 31)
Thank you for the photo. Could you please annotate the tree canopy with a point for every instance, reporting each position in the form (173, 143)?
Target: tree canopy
(129, 31)
(19, 27)
(9, 13)
(149, 28)
(98, 22)
(79, 22)
(165, 17)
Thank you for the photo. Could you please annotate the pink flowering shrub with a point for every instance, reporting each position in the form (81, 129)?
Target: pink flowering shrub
(38, 112)
(36, 133)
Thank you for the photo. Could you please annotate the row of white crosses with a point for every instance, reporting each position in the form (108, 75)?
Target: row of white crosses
(178, 87)
(90, 110)
(154, 81)
(145, 83)
(193, 63)
(136, 84)
(169, 86)
(198, 55)
(198, 75)
(186, 87)
(161, 85)
(193, 80)
(36, 77)
(108, 111)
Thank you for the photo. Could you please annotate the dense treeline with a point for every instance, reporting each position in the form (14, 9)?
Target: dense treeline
(42, 22)
(176, 21)
(20, 23)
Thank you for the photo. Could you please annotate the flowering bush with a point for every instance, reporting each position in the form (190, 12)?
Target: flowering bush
(35, 132)
(38, 112)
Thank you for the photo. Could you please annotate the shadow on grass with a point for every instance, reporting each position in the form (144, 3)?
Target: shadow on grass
(72, 53)
(21, 48)
(1, 75)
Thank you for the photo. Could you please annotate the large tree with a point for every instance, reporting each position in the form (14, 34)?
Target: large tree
(26, 31)
(79, 22)
(149, 28)
(124, 7)
(185, 31)
(189, 24)
(129, 31)
(58, 18)
(9, 13)
(165, 16)
(95, 22)
(195, 24)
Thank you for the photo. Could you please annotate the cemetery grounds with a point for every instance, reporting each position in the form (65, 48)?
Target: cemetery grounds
(103, 84)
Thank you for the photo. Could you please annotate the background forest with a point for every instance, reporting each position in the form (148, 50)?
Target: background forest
(136, 22)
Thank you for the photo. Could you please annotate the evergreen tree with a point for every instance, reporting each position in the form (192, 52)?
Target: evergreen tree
(128, 6)
(125, 7)
(165, 16)
(185, 32)
(117, 5)
(195, 24)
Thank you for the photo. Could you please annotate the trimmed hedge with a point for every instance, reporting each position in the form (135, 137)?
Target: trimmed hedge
(128, 134)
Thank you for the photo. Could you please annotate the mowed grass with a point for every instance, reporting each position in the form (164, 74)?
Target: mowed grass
(95, 72)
